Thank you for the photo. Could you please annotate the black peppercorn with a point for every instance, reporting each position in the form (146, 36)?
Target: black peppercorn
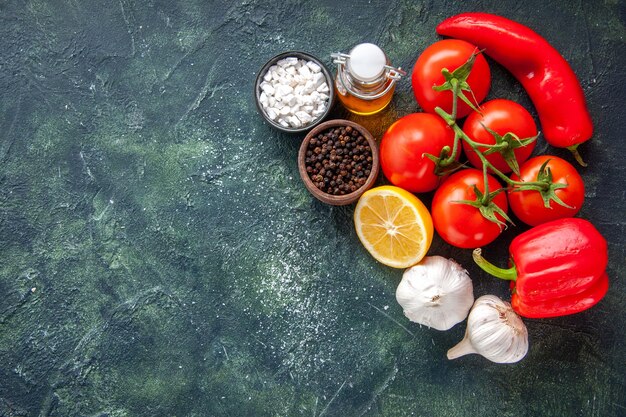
(339, 160)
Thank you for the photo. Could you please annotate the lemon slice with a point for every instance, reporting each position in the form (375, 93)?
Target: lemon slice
(394, 226)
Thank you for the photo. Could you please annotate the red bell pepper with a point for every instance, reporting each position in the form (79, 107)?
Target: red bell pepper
(559, 268)
(547, 77)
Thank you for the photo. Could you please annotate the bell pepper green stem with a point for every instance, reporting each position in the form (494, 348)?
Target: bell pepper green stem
(506, 274)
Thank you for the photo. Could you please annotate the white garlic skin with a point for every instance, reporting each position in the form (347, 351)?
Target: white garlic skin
(437, 293)
(494, 331)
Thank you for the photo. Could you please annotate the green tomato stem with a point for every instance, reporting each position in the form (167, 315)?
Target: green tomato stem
(538, 185)
(455, 98)
(486, 197)
(459, 135)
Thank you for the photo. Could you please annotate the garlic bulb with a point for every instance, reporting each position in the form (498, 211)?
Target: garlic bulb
(494, 331)
(437, 292)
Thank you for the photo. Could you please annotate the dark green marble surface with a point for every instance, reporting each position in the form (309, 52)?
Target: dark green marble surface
(159, 255)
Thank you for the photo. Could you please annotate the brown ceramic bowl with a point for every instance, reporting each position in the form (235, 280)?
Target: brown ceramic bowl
(338, 200)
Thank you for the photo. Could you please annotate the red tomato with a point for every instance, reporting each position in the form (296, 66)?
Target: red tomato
(528, 205)
(463, 225)
(403, 146)
(450, 54)
(502, 116)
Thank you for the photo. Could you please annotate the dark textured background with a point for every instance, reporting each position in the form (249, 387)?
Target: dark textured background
(159, 255)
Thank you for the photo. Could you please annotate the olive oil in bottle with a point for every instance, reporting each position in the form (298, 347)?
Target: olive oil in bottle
(365, 80)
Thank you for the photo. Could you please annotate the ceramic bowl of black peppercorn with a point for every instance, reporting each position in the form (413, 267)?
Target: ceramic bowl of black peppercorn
(338, 161)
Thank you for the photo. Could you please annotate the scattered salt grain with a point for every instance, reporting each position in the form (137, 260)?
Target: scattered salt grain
(313, 66)
(294, 93)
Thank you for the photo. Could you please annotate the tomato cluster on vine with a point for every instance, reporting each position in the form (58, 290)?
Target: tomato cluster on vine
(421, 152)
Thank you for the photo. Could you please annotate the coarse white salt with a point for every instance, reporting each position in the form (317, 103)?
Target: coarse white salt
(268, 89)
(290, 99)
(294, 121)
(313, 66)
(317, 112)
(289, 61)
(304, 117)
(294, 92)
(286, 89)
(271, 113)
(318, 79)
(323, 88)
(305, 71)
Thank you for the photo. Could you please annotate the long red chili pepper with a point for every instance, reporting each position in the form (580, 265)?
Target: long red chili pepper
(547, 77)
(558, 268)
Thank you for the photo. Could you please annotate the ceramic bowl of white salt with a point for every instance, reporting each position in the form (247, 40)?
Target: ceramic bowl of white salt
(294, 91)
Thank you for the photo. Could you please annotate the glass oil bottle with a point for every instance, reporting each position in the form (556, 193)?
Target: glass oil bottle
(365, 80)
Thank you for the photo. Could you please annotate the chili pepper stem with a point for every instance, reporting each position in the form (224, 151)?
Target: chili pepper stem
(574, 150)
(506, 274)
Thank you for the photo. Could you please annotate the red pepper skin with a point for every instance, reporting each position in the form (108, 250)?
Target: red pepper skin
(560, 268)
(547, 77)
(563, 305)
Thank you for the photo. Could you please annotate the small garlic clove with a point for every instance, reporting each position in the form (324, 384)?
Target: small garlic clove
(494, 331)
